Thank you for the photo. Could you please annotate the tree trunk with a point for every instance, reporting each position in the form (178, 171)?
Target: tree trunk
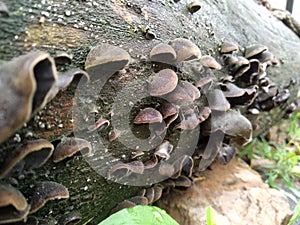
(76, 26)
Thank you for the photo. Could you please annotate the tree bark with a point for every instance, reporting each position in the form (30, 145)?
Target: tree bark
(76, 26)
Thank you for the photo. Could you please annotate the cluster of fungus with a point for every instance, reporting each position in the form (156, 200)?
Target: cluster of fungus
(28, 83)
(185, 97)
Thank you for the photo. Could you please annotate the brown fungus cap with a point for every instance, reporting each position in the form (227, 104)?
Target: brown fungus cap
(226, 153)
(166, 169)
(164, 149)
(3, 9)
(148, 115)
(157, 192)
(231, 123)
(121, 169)
(104, 60)
(265, 57)
(45, 191)
(217, 101)
(31, 154)
(163, 53)
(211, 149)
(205, 83)
(254, 50)
(69, 147)
(65, 78)
(194, 6)
(179, 164)
(204, 113)
(151, 163)
(228, 47)
(150, 194)
(210, 62)
(70, 218)
(185, 49)
(184, 92)
(168, 109)
(163, 82)
(99, 124)
(13, 205)
(183, 181)
(139, 200)
(189, 120)
(62, 58)
(230, 90)
(25, 86)
(122, 205)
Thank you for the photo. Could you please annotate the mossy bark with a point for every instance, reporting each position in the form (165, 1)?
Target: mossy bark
(76, 26)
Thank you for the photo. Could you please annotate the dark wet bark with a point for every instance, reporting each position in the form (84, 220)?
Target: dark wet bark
(76, 26)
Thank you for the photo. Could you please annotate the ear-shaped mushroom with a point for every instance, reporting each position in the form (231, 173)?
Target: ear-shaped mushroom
(239, 96)
(30, 155)
(153, 193)
(231, 123)
(25, 86)
(104, 60)
(265, 57)
(151, 163)
(217, 101)
(226, 154)
(204, 113)
(114, 134)
(69, 147)
(163, 82)
(228, 47)
(148, 115)
(189, 120)
(61, 58)
(169, 112)
(184, 92)
(166, 169)
(3, 9)
(185, 49)
(121, 170)
(149, 194)
(194, 7)
(168, 109)
(139, 200)
(183, 181)
(157, 192)
(210, 62)
(253, 50)
(99, 124)
(163, 53)
(211, 149)
(205, 84)
(70, 218)
(13, 205)
(122, 205)
(184, 165)
(64, 79)
(44, 192)
(163, 150)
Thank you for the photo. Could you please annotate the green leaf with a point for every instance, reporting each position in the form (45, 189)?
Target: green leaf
(140, 215)
(296, 214)
(210, 216)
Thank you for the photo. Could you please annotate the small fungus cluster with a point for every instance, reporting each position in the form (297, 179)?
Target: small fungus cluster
(28, 83)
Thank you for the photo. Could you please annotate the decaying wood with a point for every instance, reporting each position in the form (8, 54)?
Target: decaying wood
(76, 26)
